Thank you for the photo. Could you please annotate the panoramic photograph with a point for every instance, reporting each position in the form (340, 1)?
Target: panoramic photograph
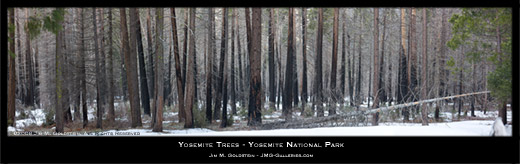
(259, 71)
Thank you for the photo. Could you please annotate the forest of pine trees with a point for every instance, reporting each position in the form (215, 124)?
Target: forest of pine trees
(174, 68)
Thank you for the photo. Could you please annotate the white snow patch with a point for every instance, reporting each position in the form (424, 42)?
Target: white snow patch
(273, 115)
(12, 129)
(91, 113)
(36, 116)
(237, 118)
(463, 128)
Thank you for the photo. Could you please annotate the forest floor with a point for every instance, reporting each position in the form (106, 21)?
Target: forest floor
(33, 122)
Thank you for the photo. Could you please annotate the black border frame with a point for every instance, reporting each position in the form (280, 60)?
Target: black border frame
(357, 149)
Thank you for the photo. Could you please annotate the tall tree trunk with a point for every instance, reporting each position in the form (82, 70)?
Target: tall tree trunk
(223, 52)
(190, 87)
(359, 76)
(185, 50)
(241, 85)
(209, 74)
(376, 59)
(60, 96)
(150, 55)
(232, 70)
(36, 74)
(167, 82)
(382, 94)
(271, 36)
(159, 86)
(12, 73)
(350, 70)
(343, 60)
(102, 72)
(412, 63)
(280, 77)
(124, 85)
(28, 59)
(351, 60)
(289, 72)
(111, 111)
(59, 119)
(247, 68)
(304, 92)
(20, 73)
(131, 66)
(195, 78)
(145, 97)
(255, 96)
(318, 86)
(295, 69)
(424, 68)
(402, 81)
(77, 69)
(333, 79)
(83, 77)
(441, 60)
(66, 75)
(99, 101)
(304, 65)
(178, 75)
(224, 121)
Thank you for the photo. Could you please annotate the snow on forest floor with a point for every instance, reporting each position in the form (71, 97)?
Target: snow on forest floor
(36, 117)
(462, 128)
(33, 120)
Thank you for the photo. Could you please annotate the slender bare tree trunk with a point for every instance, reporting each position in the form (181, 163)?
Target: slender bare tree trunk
(359, 76)
(255, 96)
(232, 70)
(241, 80)
(333, 79)
(111, 111)
(131, 69)
(383, 97)
(28, 59)
(83, 76)
(99, 97)
(318, 86)
(150, 55)
(424, 69)
(190, 87)
(145, 97)
(412, 63)
(343, 61)
(376, 59)
(59, 79)
(178, 74)
(272, 86)
(159, 86)
(220, 77)
(185, 50)
(304, 65)
(402, 81)
(12, 74)
(289, 71)
(209, 71)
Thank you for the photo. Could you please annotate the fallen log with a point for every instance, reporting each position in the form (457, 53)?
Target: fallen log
(358, 116)
(421, 102)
